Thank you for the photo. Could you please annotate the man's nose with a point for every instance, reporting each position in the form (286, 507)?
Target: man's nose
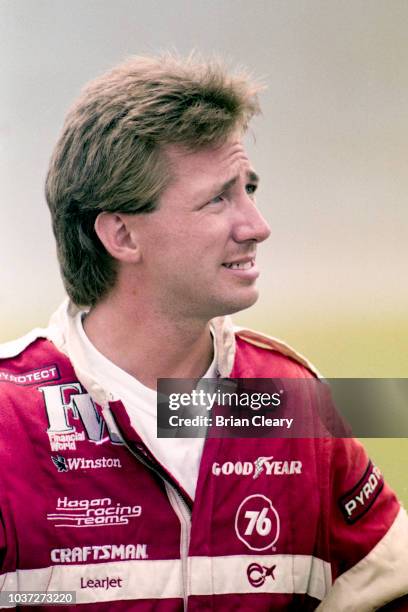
(250, 224)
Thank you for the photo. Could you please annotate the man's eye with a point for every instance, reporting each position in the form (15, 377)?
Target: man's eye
(251, 188)
(217, 199)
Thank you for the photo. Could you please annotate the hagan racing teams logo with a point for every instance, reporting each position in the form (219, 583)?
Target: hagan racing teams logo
(64, 464)
(266, 465)
(92, 512)
(73, 417)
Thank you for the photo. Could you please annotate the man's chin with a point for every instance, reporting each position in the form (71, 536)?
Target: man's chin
(239, 303)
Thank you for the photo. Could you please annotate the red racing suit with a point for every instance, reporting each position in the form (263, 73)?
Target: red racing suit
(85, 506)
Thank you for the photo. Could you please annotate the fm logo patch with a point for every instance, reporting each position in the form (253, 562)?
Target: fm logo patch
(73, 417)
(356, 502)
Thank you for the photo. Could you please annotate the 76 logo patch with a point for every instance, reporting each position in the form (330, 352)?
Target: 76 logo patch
(257, 522)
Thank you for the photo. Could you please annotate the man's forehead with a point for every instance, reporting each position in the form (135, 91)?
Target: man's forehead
(222, 158)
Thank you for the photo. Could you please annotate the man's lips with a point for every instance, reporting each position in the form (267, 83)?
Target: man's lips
(245, 263)
(243, 268)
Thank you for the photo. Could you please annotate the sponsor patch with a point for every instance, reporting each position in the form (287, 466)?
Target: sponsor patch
(73, 417)
(64, 464)
(65, 441)
(257, 574)
(257, 522)
(104, 552)
(356, 502)
(262, 465)
(60, 463)
(92, 512)
(32, 377)
(101, 583)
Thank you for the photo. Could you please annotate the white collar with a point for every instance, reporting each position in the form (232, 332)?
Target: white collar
(63, 333)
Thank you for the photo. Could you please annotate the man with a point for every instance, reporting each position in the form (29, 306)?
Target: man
(152, 200)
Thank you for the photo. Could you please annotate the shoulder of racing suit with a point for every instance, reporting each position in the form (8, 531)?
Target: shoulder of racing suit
(268, 356)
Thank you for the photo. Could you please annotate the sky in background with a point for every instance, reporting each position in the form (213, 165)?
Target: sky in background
(331, 149)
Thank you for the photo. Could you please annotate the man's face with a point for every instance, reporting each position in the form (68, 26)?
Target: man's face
(199, 246)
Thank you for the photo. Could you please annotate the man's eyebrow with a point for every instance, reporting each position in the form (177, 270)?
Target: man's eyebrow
(225, 186)
(251, 176)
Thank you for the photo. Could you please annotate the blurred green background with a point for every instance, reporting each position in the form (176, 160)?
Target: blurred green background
(359, 348)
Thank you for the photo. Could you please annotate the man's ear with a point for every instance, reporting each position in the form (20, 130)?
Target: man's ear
(117, 232)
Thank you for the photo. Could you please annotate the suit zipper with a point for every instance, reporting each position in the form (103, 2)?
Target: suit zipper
(177, 502)
(181, 509)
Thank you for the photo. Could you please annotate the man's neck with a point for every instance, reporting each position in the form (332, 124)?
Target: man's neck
(148, 346)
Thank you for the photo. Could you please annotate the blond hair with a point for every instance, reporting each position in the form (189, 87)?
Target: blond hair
(109, 155)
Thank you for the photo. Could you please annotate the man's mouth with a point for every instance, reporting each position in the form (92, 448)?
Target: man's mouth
(240, 266)
(246, 264)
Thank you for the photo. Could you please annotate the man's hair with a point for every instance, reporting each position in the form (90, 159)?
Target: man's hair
(109, 156)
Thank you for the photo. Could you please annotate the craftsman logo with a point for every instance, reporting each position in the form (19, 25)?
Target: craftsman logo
(104, 552)
(73, 417)
(92, 513)
(81, 463)
(257, 523)
(257, 574)
(361, 497)
(267, 465)
(32, 377)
